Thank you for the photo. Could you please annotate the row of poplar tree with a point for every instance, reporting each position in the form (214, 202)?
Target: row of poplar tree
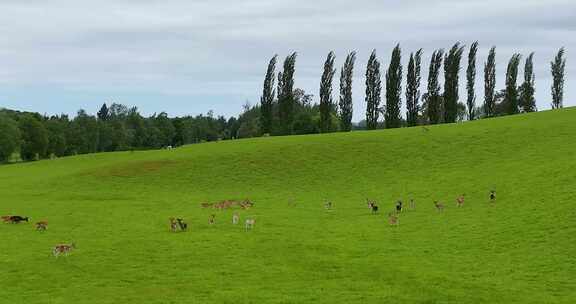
(434, 106)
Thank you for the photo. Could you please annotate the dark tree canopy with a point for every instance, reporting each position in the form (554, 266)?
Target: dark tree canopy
(267, 99)
(433, 97)
(527, 89)
(373, 91)
(326, 103)
(393, 117)
(470, 81)
(413, 88)
(557, 67)
(345, 105)
(490, 83)
(451, 79)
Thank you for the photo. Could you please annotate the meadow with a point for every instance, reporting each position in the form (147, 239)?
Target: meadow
(115, 208)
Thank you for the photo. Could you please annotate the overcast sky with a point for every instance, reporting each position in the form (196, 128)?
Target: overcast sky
(191, 56)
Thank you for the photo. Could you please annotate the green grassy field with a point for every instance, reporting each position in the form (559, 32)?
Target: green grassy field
(115, 207)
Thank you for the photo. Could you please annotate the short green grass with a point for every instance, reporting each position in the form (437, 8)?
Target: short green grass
(115, 207)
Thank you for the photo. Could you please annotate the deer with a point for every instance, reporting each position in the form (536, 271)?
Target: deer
(250, 224)
(460, 201)
(372, 206)
(63, 249)
(212, 219)
(6, 218)
(328, 205)
(439, 206)
(399, 207)
(393, 220)
(41, 226)
(182, 224)
(15, 219)
(235, 219)
(206, 205)
(173, 224)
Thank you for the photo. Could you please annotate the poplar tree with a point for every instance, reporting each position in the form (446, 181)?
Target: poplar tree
(451, 79)
(394, 90)
(511, 95)
(346, 75)
(434, 100)
(413, 88)
(373, 91)
(326, 104)
(490, 83)
(557, 67)
(267, 99)
(527, 100)
(286, 95)
(470, 80)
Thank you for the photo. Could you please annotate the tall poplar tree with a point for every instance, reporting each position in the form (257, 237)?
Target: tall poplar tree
(511, 93)
(267, 99)
(413, 88)
(451, 79)
(393, 118)
(326, 104)
(557, 67)
(490, 83)
(434, 100)
(373, 91)
(286, 95)
(346, 75)
(527, 100)
(470, 81)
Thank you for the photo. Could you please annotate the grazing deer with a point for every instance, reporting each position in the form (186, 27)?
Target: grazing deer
(15, 219)
(439, 206)
(250, 224)
(206, 205)
(399, 207)
(182, 224)
(235, 219)
(492, 196)
(41, 226)
(393, 220)
(63, 249)
(460, 201)
(412, 204)
(372, 206)
(328, 205)
(6, 218)
(212, 219)
(173, 224)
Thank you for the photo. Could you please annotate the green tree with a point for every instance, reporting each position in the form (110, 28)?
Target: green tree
(490, 83)
(470, 80)
(527, 89)
(393, 117)
(557, 67)
(373, 91)
(286, 95)
(34, 138)
(511, 97)
(451, 79)
(103, 114)
(434, 99)
(413, 88)
(57, 127)
(9, 137)
(346, 109)
(267, 99)
(326, 103)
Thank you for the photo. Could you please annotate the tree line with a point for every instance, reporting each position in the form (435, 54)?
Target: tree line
(437, 105)
(286, 110)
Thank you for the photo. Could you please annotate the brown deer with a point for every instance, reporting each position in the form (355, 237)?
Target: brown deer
(393, 220)
(6, 218)
(63, 249)
(439, 206)
(41, 226)
(460, 201)
(173, 224)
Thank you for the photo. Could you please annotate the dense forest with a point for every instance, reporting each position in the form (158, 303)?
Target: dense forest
(285, 110)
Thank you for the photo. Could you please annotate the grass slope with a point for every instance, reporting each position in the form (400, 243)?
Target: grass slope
(115, 207)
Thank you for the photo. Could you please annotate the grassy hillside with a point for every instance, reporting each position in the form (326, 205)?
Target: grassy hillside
(116, 206)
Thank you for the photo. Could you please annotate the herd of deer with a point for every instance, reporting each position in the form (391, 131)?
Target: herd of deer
(393, 217)
(40, 226)
(178, 224)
